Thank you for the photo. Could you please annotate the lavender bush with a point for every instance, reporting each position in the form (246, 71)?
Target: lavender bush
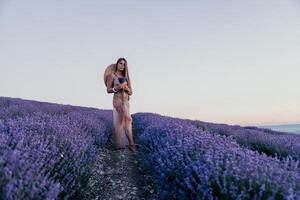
(190, 163)
(15, 107)
(46, 149)
(272, 143)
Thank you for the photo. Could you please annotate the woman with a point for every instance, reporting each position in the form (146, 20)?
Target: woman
(117, 81)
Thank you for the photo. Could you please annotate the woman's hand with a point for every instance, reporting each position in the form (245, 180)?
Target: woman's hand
(123, 86)
(127, 89)
(117, 88)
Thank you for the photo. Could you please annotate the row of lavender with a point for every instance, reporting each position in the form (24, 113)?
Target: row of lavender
(271, 142)
(189, 163)
(46, 149)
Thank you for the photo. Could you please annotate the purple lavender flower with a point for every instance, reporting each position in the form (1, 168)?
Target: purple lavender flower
(191, 163)
(45, 148)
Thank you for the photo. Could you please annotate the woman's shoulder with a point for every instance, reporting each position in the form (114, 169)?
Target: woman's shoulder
(113, 76)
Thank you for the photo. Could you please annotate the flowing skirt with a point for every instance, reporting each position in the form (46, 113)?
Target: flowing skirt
(120, 114)
(123, 138)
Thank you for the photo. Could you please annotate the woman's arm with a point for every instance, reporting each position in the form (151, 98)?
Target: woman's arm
(128, 90)
(110, 86)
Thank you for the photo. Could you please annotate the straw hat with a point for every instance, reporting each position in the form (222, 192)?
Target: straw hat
(110, 69)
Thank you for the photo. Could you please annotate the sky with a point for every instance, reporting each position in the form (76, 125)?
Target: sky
(234, 62)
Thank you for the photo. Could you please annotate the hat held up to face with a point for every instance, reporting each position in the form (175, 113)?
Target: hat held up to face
(110, 69)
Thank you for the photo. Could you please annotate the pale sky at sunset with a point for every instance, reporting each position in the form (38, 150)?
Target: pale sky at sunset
(235, 62)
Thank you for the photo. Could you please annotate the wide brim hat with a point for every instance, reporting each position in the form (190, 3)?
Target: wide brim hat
(110, 69)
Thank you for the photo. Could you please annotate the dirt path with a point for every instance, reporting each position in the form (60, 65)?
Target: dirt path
(119, 177)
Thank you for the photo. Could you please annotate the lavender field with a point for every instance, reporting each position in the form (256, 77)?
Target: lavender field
(47, 151)
(273, 143)
(197, 160)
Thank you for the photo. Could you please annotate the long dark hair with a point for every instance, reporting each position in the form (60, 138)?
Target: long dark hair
(125, 72)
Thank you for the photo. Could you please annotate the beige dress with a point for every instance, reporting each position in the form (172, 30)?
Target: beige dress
(121, 111)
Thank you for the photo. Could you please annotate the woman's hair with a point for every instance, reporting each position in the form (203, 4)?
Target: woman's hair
(125, 72)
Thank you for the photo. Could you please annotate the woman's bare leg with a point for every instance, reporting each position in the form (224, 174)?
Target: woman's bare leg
(118, 115)
(128, 129)
(128, 126)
